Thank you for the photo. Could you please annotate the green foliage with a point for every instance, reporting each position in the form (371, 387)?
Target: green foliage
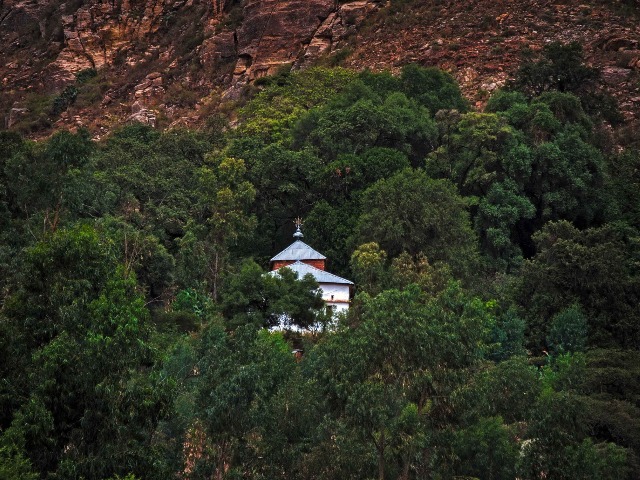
(390, 377)
(508, 336)
(568, 331)
(487, 450)
(255, 297)
(63, 101)
(37, 117)
(561, 67)
(523, 164)
(62, 272)
(367, 264)
(223, 198)
(509, 388)
(499, 213)
(623, 187)
(484, 157)
(557, 444)
(367, 116)
(373, 165)
(51, 181)
(240, 374)
(592, 269)
(406, 270)
(432, 88)
(426, 216)
(275, 109)
(335, 140)
(611, 385)
(192, 301)
(91, 88)
(476, 151)
(14, 464)
(148, 177)
(283, 180)
(30, 434)
(134, 336)
(568, 171)
(365, 124)
(85, 75)
(87, 334)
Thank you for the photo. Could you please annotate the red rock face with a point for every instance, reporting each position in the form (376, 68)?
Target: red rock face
(480, 42)
(200, 44)
(274, 33)
(146, 47)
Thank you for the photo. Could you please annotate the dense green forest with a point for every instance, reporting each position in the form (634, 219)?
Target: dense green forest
(494, 333)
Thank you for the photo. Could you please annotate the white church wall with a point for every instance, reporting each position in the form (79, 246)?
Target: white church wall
(335, 292)
(336, 296)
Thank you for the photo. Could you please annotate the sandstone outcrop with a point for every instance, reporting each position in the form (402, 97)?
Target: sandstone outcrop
(274, 33)
(336, 28)
(141, 114)
(97, 31)
(189, 41)
(148, 50)
(293, 33)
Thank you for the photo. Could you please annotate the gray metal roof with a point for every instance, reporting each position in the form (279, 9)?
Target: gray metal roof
(299, 250)
(320, 275)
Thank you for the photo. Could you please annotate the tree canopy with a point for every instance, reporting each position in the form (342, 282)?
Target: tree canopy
(493, 332)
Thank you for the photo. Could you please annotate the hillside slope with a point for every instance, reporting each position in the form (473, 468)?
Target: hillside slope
(169, 63)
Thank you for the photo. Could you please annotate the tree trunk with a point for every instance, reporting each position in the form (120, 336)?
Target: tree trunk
(380, 448)
(215, 277)
(404, 475)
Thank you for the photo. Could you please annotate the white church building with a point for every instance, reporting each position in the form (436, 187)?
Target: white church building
(302, 259)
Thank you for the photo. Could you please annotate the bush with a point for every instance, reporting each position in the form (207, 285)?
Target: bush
(37, 116)
(85, 75)
(568, 331)
(91, 90)
(180, 96)
(64, 100)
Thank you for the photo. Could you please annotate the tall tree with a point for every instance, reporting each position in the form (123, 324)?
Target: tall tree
(593, 269)
(390, 378)
(83, 333)
(426, 216)
(224, 198)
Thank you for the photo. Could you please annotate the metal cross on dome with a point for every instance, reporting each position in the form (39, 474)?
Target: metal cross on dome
(298, 224)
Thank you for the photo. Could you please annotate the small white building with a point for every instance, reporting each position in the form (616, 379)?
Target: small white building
(302, 259)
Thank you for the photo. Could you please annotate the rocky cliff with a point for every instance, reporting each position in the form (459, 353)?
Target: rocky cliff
(172, 61)
(482, 42)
